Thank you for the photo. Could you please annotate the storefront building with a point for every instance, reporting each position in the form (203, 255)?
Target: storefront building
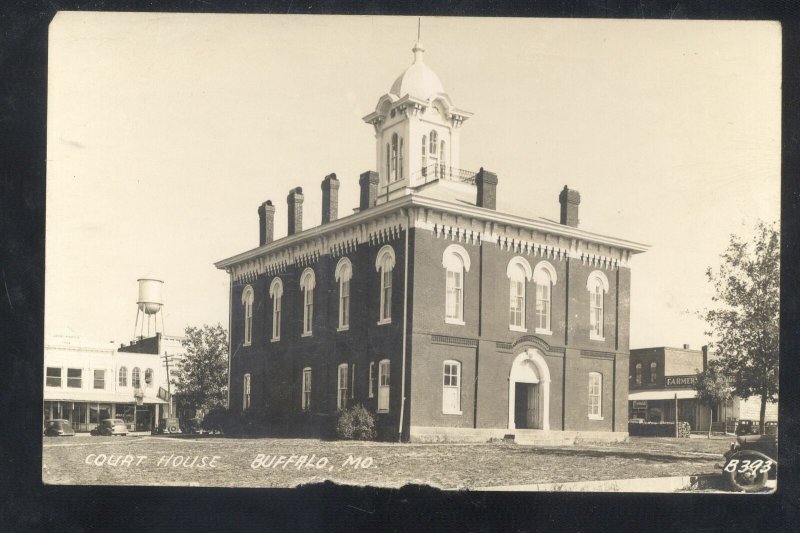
(86, 382)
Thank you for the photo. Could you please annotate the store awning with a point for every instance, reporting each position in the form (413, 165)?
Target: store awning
(100, 397)
(662, 395)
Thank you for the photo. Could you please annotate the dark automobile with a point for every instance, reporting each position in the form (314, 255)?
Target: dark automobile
(751, 461)
(191, 426)
(110, 427)
(747, 427)
(59, 428)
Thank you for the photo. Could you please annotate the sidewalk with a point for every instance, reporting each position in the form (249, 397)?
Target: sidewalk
(653, 484)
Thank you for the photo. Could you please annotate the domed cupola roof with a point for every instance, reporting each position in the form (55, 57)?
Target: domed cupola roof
(418, 81)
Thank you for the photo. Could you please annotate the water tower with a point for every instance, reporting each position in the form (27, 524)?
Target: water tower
(148, 307)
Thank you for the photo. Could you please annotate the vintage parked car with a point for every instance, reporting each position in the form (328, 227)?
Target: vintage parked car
(751, 460)
(169, 425)
(111, 427)
(59, 428)
(191, 426)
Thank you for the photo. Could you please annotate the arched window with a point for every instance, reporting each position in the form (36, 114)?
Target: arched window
(135, 381)
(148, 376)
(393, 172)
(432, 147)
(433, 143)
(597, 285)
(424, 155)
(384, 264)
(595, 395)
(341, 385)
(518, 272)
(344, 273)
(456, 262)
(638, 376)
(307, 284)
(246, 392)
(400, 155)
(306, 398)
(383, 386)
(653, 372)
(276, 293)
(544, 276)
(247, 301)
(451, 388)
(123, 376)
(388, 163)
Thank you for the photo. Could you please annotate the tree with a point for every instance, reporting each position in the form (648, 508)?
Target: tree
(746, 314)
(713, 388)
(203, 374)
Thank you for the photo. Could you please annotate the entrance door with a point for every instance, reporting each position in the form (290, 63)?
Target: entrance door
(526, 405)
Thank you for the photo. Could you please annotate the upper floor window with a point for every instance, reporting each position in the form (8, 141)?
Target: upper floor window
(148, 376)
(595, 395)
(544, 276)
(246, 392)
(344, 273)
(456, 262)
(597, 285)
(433, 142)
(74, 378)
(451, 388)
(247, 301)
(276, 293)
(638, 374)
(135, 378)
(393, 169)
(384, 264)
(388, 162)
(306, 399)
(518, 272)
(99, 379)
(123, 377)
(383, 385)
(53, 376)
(400, 157)
(341, 387)
(442, 158)
(307, 284)
(424, 155)
(653, 371)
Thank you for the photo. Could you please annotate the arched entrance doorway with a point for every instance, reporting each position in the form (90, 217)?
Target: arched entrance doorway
(529, 392)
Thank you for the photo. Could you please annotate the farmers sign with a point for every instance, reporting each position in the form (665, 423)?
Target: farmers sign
(681, 381)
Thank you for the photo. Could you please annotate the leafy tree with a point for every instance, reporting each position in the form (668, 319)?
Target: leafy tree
(745, 317)
(203, 375)
(713, 388)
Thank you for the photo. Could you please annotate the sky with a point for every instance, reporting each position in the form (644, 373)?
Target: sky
(166, 131)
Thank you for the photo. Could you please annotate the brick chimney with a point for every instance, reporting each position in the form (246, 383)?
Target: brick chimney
(266, 223)
(295, 201)
(330, 198)
(487, 189)
(369, 189)
(569, 199)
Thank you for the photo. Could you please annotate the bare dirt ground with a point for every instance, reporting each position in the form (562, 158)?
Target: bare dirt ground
(231, 462)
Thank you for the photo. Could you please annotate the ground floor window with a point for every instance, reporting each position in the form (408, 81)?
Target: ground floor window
(306, 401)
(383, 385)
(246, 392)
(85, 416)
(341, 386)
(595, 394)
(451, 388)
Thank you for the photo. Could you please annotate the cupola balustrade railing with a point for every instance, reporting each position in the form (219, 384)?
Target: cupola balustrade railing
(444, 172)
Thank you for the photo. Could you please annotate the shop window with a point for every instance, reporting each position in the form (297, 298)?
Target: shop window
(123, 377)
(456, 262)
(247, 301)
(384, 264)
(451, 388)
(383, 386)
(343, 274)
(306, 399)
(53, 376)
(307, 284)
(518, 272)
(597, 285)
(246, 392)
(74, 378)
(135, 378)
(595, 395)
(276, 293)
(341, 385)
(99, 379)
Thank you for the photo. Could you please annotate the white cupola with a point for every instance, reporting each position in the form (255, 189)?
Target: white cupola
(416, 132)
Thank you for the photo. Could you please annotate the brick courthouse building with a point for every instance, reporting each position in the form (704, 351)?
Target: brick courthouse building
(442, 315)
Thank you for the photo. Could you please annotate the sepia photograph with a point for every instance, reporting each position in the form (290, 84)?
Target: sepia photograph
(483, 254)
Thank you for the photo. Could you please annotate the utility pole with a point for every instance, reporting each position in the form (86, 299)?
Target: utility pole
(169, 380)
